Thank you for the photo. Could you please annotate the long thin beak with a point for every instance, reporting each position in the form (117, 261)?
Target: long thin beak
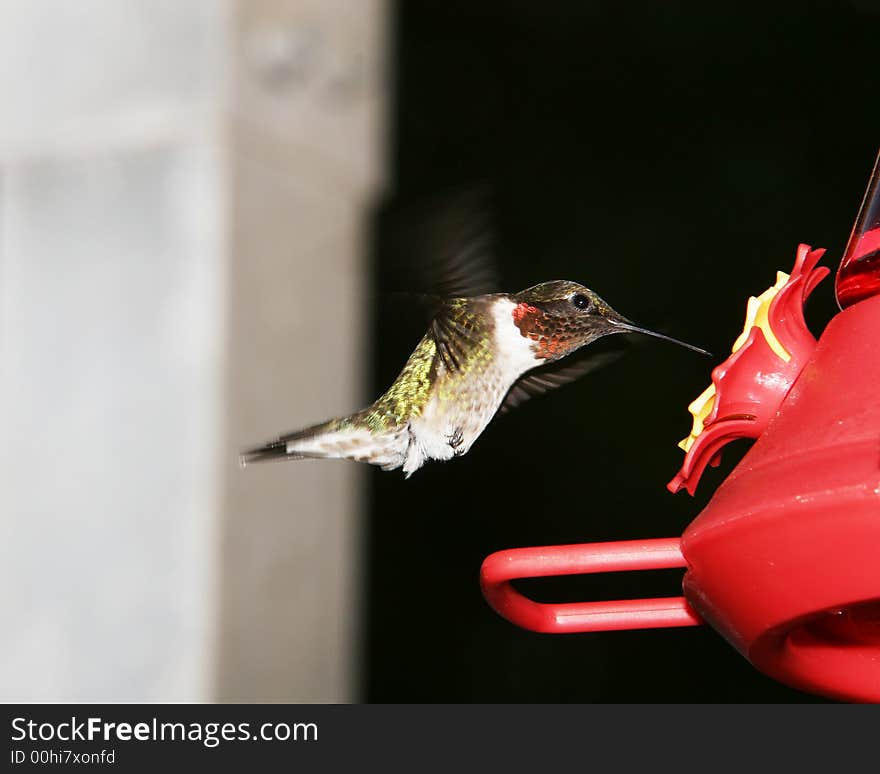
(627, 325)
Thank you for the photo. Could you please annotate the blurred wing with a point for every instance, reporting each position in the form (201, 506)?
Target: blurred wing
(458, 328)
(549, 377)
(443, 247)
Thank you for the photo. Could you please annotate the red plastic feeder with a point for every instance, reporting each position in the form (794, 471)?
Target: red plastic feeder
(784, 561)
(501, 568)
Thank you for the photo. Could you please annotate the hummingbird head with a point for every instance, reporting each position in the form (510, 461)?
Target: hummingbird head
(561, 317)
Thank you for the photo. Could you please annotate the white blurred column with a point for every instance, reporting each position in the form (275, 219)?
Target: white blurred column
(160, 204)
(308, 109)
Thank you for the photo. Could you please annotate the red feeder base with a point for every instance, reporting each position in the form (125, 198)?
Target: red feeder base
(785, 559)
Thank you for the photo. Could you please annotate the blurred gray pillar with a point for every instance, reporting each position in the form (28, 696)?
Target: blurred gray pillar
(306, 161)
(182, 197)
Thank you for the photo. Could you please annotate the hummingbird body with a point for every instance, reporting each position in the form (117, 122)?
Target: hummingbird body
(479, 355)
(468, 387)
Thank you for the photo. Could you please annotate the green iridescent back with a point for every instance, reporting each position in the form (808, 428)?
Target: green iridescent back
(458, 345)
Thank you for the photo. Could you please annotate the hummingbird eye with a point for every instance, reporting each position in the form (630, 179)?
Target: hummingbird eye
(581, 301)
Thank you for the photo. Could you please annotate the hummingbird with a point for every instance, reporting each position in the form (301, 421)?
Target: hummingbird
(481, 355)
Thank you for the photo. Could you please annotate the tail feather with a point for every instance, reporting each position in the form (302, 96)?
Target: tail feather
(333, 439)
(274, 451)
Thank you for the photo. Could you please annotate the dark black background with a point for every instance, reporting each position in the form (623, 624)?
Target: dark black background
(670, 156)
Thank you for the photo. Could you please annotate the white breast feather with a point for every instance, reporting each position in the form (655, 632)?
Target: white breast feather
(516, 353)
